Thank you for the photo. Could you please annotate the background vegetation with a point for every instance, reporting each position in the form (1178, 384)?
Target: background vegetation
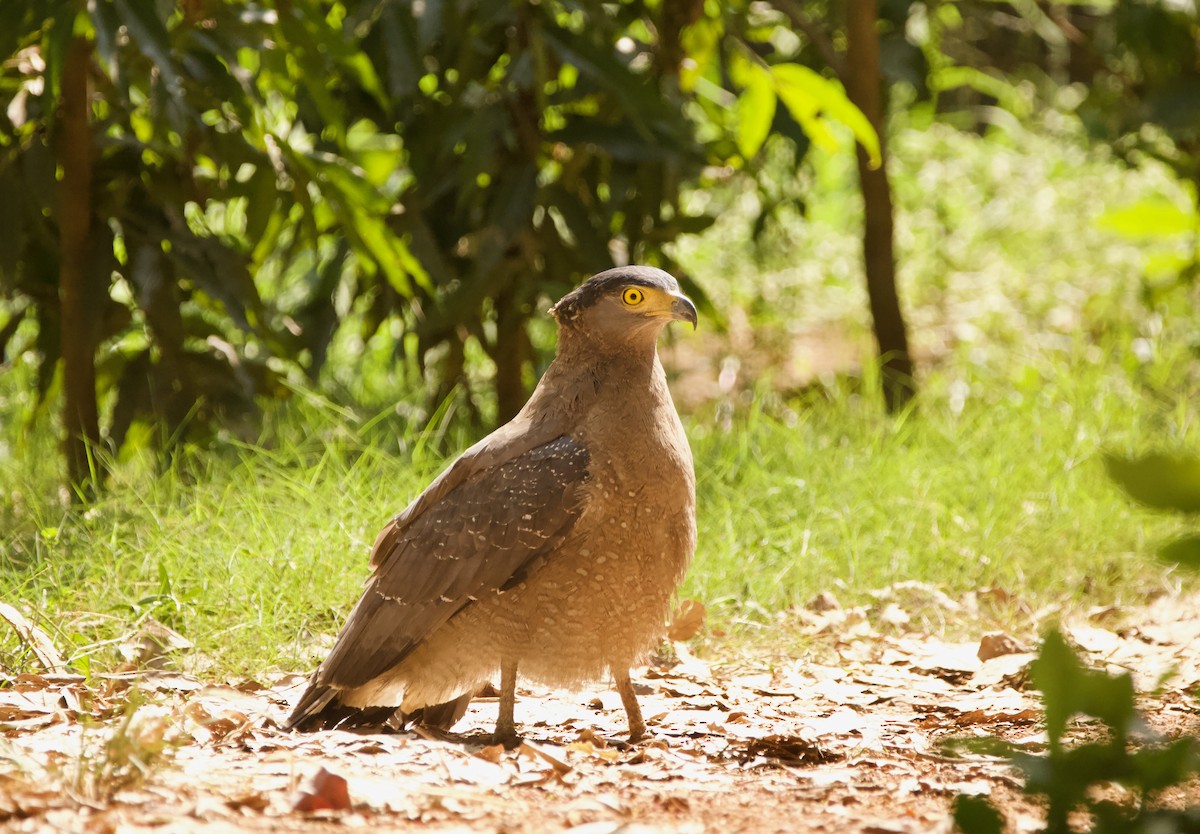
(302, 279)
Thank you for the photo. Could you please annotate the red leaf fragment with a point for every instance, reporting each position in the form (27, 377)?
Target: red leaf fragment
(997, 644)
(325, 791)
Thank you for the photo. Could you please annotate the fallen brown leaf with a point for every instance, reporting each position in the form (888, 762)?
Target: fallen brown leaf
(787, 749)
(491, 753)
(844, 737)
(979, 716)
(997, 644)
(533, 751)
(149, 647)
(32, 636)
(824, 601)
(687, 622)
(325, 791)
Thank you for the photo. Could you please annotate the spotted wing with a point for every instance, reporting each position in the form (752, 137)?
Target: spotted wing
(481, 537)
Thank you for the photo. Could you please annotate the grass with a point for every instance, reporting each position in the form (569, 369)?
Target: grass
(1038, 355)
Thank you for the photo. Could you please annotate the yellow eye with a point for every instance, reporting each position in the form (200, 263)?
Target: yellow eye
(633, 296)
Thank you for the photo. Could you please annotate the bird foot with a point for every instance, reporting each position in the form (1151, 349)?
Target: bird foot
(506, 736)
(510, 742)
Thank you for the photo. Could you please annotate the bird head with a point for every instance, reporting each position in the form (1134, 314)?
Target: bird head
(628, 304)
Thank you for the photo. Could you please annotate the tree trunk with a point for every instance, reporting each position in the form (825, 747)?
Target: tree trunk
(81, 422)
(510, 355)
(864, 85)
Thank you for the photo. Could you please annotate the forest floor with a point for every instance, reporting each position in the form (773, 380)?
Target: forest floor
(745, 739)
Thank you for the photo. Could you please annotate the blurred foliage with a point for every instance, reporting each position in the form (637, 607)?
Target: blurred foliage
(1130, 71)
(1174, 265)
(1164, 482)
(277, 180)
(1069, 777)
(1122, 67)
(271, 176)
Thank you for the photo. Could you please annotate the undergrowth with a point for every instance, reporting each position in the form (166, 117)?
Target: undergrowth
(1038, 357)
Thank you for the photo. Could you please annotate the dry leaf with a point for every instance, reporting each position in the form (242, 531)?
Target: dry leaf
(995, 594)
(687, 622)
(32, 636)
(491, 753)
(979, 716)
(152, 643)
(325, 791)
(790, 749)
(996, 644)
(878, 707)
(248, 801)
(824, 601)
(607, 754)
(216, 722)
(533, 751)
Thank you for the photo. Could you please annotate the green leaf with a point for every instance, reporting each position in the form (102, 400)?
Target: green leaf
(640, 101)
(1069, 688)
(975, 815)
(755, 112)
(261, 196)
(1007, 94)
(1156, 768)
(108, 42)
(220, 272)
(700, 43)
(1161, 481)
(1184, 552)
(9, 329)
(620, 141)
(1150, 218)
(57, 32)
(807, 94)
(151, 35)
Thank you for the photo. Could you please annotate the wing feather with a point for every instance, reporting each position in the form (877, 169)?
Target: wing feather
(479, 536)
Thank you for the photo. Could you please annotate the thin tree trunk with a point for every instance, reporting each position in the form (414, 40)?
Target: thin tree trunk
(864, 85)
(510, 355)
(81, 421)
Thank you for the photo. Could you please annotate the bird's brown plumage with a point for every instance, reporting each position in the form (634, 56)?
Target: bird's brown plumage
(551, 548)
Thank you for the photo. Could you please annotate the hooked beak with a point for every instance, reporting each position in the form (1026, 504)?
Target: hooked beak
(682, 309)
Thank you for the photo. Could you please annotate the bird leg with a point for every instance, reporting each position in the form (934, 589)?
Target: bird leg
(506, 726)
(637, 726)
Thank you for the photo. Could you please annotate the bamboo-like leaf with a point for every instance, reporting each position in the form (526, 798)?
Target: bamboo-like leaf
(150, 33)
(261, 198)
(755, 112)
(638, 99)
(808, 95)
(949, 78)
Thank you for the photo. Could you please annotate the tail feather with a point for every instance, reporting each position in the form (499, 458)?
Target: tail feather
(320, 708)
(442, 716)
(312, 703)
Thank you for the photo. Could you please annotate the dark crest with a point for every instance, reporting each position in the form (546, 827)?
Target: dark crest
(593, 289)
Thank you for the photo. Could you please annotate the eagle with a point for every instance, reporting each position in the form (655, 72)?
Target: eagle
(551, 549)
